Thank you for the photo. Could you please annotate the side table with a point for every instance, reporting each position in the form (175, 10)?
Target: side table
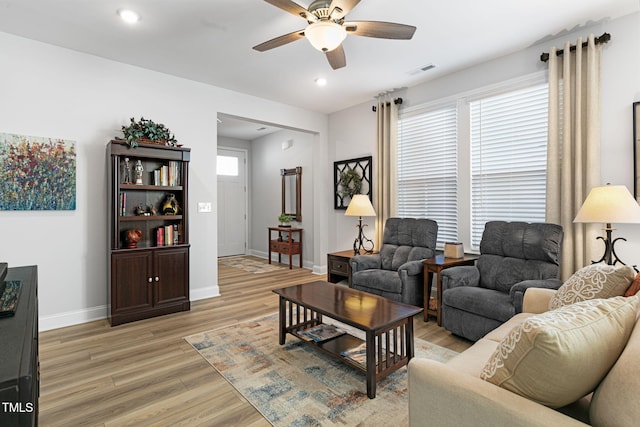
(285, 245)
(338, 267)
(436, 265)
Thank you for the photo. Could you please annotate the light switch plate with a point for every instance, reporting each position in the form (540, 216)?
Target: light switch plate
(204, 206)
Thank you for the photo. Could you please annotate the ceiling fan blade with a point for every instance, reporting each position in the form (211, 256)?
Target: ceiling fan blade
(336, 58)
(291, 7)
(279, 41)
(381, 30)
(344, 6)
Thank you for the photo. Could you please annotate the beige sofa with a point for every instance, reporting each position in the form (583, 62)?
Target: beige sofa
(453, 394)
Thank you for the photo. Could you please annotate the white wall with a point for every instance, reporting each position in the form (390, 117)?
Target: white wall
(50, 91)
(352, 135)
(620, 88)
(266, 187)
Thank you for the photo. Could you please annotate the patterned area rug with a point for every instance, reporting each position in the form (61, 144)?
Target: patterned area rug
(249, 265)
(296, 385)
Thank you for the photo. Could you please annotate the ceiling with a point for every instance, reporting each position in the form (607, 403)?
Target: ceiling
(245, 129)
(211, 41)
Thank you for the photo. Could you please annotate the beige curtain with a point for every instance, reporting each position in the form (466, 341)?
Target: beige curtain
(385, 167)
(573, 154)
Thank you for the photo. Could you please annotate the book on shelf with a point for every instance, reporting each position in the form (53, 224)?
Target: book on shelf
(168, 235)
(174, 173)
(321, 332)
(123, 204)
(168, 175)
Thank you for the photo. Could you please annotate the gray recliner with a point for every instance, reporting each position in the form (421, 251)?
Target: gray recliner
(514, 256)
(396, 271)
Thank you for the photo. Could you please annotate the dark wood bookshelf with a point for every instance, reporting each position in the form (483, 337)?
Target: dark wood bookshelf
(152, 278)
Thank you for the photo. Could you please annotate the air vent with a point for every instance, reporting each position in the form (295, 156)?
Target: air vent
(421, 69)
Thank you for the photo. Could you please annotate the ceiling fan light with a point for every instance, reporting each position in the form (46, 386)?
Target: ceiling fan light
(325, 35)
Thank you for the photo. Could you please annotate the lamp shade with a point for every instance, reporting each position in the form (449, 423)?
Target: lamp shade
(325, 35)
(609, 204)
(360, 205)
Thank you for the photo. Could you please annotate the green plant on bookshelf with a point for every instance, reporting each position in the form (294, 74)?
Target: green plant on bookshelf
(147, 129)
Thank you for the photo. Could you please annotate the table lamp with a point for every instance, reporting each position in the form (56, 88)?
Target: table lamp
(609, 204)
(360, 206)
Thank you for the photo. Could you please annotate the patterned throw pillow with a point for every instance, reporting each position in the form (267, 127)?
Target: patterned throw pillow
(593, 281)
(557, 357)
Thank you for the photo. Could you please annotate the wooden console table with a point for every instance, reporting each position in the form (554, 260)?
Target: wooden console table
(284, 243)
(436, 265)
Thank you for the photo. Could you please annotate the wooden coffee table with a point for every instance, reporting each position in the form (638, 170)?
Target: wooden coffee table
(388, 325)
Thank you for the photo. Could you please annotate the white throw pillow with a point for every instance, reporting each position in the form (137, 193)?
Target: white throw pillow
(557, 357)
(593, 281)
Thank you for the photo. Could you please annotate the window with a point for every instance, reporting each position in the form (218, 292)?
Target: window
(508, 158)
(475, 157)
(427, 169)
(227, 165)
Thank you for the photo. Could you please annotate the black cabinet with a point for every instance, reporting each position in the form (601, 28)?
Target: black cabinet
(19, 365)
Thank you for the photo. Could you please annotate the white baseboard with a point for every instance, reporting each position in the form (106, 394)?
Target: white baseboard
(71, 318)
(76, 317)
(319, 269)
(204, 293)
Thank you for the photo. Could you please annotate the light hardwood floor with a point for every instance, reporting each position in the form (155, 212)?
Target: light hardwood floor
(144, 373)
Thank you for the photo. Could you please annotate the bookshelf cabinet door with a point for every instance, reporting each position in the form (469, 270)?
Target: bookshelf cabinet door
(172, 271)
(131, 289)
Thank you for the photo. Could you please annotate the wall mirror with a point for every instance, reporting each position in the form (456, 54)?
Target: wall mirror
(292, 192)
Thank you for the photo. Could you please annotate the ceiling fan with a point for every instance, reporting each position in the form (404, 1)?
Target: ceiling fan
(327, 28)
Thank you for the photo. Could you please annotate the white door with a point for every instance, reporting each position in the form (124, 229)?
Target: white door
(232, 202)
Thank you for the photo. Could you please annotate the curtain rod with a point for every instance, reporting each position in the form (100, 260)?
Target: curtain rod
(395, 101)
(604, 38)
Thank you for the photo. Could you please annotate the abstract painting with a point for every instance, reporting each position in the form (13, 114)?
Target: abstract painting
(37, 173)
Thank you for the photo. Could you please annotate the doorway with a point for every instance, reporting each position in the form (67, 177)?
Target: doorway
(232, 201)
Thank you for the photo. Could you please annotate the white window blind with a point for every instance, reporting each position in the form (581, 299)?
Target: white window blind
(428, 169)
(508, 158)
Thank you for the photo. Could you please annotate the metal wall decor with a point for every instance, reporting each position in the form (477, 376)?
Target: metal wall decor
(351, 177)
(636, 150)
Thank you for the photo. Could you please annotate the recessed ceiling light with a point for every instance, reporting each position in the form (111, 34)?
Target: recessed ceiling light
(321, 81)
(128, 16)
